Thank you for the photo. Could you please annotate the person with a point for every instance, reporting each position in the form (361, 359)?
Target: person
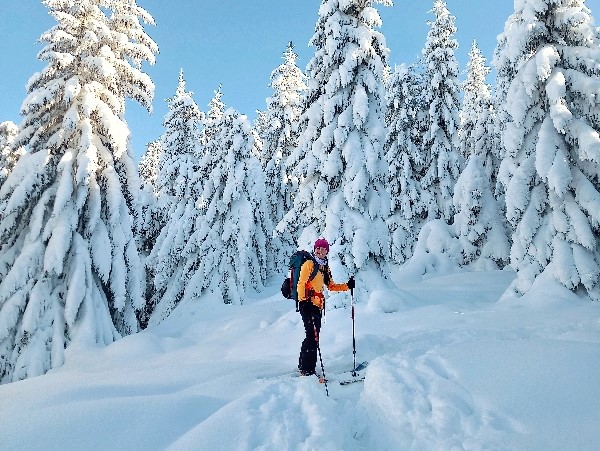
(312, 303)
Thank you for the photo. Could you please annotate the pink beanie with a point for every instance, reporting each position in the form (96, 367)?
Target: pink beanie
(321, 242)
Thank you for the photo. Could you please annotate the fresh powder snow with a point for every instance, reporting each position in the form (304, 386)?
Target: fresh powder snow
(453, 365)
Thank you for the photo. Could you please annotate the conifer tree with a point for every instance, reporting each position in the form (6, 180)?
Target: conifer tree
(8, 154)
(339, 160)
(176, 205)
(441, 98)
(212, 121)
(227, 252)
(149, 163)
(260, 128)
(280, 136)
(505, 73)
(405, 161)
(70, 273)
(149, 220)
(260, 125)
(478, 221)
(477, 116)
(180, 143)
(552, 145)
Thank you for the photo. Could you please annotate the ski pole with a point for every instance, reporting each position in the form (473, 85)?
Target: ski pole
(353, 335)
(320, 357)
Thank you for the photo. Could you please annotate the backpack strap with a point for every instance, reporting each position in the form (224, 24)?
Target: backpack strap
(294, 277)
(313, 274)
(315, 270)
(326, 272)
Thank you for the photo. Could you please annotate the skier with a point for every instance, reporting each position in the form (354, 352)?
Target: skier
(312, 303)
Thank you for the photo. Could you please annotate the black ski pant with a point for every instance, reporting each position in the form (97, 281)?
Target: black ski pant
(311, 316)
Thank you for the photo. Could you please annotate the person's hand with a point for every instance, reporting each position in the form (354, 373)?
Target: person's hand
(351, 284)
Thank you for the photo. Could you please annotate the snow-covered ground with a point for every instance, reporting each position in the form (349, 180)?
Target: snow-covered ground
(452, 366)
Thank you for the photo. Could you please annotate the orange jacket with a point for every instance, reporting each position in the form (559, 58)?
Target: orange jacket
(316, 285)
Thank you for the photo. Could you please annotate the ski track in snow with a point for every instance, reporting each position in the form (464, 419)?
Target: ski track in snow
(404, 403)
(410, 401)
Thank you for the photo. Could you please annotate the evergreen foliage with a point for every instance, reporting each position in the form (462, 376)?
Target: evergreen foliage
(339, 160)
(180, 143)
(70, 272)
(212, 121)
(441, 98)
(477, 116)
(228, 251)
(284, 108)
(149, 163)
(478, 222)
(280, 137)
(551, 143)
(173, 219)
(505, 73)
(8, 154)
(405, 161)
(150, 218)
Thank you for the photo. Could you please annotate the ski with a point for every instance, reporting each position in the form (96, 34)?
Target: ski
(352, 376)
(344, 377)
(361, 366)
(351, 381)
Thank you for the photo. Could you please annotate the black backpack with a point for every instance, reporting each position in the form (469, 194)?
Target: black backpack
(289, 287)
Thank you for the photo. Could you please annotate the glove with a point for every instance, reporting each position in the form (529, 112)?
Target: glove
(351, 284)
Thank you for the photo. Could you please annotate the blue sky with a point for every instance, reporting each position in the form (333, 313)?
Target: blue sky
(237, 44)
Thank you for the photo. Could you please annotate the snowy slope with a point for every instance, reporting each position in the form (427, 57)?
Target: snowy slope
(453, 366)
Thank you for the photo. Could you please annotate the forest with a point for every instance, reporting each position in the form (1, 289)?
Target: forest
(378, 160)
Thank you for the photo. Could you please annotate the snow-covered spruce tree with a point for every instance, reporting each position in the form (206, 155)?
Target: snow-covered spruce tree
(149, 163)
(176, 204)
(386, 75)
(441, 98)
(477, 130)
(505, 73)
(70, 273)
(476, 96)
(212, 121)
(339, 159)
(8, 154)
(175, 254)
(281, 137)
(149, 219)
(136, 47)
(478, 221)
(260, 127)
(405, 161)
(551, 167)
(181, 147)
(228, 251)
